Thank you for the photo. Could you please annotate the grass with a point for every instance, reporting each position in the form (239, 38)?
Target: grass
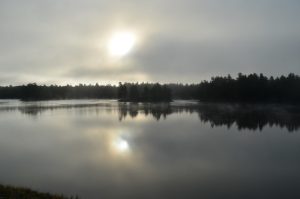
(10, 192)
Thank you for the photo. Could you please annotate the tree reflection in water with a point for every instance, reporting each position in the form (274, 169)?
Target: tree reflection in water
(244, 116)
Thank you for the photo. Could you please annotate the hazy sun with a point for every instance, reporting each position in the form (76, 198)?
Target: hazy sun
(121, 43)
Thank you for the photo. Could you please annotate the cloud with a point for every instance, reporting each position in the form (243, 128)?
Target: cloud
(186, 41)
(191, 61)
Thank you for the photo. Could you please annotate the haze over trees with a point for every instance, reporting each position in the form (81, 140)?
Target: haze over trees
(244, 88)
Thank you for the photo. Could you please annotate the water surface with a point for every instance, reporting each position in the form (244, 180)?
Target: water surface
(105, 149)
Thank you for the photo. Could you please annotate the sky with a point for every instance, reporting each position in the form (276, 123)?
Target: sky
(66, 41)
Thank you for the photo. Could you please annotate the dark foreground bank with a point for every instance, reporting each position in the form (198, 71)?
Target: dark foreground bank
(9, 192)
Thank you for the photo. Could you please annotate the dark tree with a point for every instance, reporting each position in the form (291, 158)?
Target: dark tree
(122, 91)
(133, 93)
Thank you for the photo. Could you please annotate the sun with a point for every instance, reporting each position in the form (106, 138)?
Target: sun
(121, 43)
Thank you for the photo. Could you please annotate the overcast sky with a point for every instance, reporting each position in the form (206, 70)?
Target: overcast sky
(65, 41)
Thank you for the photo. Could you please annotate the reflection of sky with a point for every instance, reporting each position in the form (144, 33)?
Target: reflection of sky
(91, 153)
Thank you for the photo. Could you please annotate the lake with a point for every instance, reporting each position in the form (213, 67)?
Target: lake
(185, 149)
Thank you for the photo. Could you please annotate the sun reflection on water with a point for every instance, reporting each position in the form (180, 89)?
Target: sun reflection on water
(121, 145)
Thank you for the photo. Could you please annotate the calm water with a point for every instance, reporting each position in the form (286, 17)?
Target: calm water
(103, 149)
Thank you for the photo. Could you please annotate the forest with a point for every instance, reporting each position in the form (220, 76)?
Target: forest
(251, 88)
(243, 88)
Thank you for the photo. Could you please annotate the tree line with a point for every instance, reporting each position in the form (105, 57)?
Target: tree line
(243, 88)
(42, 92)
(124, 92)
(251, 88)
